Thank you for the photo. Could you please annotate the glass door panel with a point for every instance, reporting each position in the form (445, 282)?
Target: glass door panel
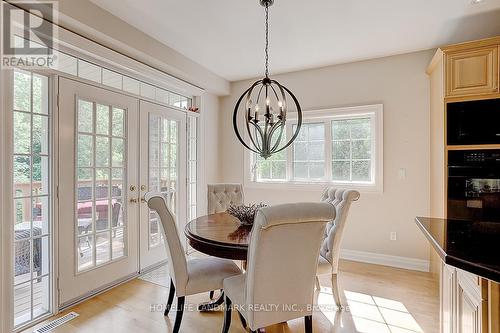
(101, 173)
(98, 129)
(164, 149)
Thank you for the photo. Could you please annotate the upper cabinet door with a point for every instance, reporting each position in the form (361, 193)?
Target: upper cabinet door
(472, 72)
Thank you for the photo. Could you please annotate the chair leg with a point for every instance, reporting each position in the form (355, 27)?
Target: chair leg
(336, 291)
(170, 298)
(308, 323)
(318, 285)
(180, 312)
(242, 319)
(227, 316)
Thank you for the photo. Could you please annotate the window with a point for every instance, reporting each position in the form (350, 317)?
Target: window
(192, 163)
(351, 149)
(336, 146)
(71, 65)
(32, 197)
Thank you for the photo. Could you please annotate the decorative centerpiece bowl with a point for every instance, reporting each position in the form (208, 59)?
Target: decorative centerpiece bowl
(245, 213)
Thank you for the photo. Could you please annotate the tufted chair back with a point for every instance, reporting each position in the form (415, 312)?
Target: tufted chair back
(282, 260)
(341, 199)
(221, 196)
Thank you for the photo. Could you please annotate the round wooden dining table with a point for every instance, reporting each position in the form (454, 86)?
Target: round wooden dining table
(219, 235)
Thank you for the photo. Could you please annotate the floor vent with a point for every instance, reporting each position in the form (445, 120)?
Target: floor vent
(56, 323)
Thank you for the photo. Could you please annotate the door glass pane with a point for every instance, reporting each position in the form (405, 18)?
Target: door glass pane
(102, 151)
(163, 168)
(85, 117)
(118, 152)
(102, 119)
(32, 197)
(118, 243)
(85, 150)
(85, 252)
(103, 249)
(101, 180)
(118, 122)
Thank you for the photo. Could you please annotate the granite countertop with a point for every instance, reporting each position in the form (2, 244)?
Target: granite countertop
(473, 246)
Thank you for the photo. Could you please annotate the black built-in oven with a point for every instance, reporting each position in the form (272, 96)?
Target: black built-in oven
(473, 122)
(474, 184)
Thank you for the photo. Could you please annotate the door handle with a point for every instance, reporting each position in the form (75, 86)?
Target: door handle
(133, 200)
(143, 200)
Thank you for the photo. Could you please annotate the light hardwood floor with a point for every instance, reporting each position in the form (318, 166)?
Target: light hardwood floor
(381, 300)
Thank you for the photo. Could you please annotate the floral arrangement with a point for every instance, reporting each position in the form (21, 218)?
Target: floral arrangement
(245, 213)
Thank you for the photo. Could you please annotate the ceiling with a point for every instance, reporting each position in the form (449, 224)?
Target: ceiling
(227, 36)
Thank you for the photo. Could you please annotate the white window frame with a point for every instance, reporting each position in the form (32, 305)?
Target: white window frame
(375, 111)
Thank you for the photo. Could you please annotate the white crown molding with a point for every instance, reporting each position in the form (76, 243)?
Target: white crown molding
(386, 260)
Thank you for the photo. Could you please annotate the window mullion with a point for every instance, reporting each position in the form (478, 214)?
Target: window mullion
(289, 154)
(350, 151)
(328, 150)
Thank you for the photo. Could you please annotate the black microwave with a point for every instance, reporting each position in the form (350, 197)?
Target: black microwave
(473, 123)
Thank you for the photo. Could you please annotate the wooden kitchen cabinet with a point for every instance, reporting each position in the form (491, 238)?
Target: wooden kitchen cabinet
(472, 72)
(461, 301)
(469, 303)
(448, 295)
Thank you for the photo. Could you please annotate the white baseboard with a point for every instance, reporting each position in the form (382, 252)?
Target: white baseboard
(386, 260)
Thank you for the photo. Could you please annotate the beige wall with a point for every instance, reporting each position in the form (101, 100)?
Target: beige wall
(400, 83)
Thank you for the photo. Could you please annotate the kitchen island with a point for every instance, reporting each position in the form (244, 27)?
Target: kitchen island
(469, 273)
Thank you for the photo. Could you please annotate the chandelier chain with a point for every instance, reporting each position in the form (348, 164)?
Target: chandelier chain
(267, 40)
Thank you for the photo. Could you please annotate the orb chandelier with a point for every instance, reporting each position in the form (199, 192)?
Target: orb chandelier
(265, 108)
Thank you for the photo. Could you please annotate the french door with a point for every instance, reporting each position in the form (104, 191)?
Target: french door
(163, 169)
(112, 150)
(98, 194)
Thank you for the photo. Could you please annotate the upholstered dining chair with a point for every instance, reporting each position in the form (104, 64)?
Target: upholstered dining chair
(330, 248)
(221, 196)
(281, 266)
(187, 277)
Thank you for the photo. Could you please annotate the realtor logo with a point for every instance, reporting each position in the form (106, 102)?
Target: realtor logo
(28, 33)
